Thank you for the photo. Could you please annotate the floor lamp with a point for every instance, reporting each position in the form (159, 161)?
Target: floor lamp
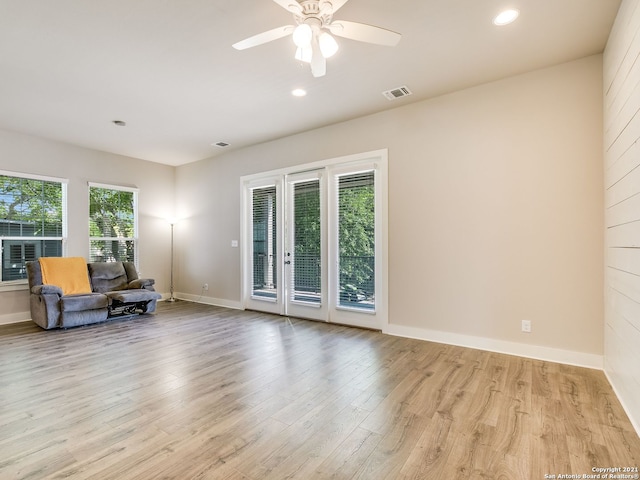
(171, 298)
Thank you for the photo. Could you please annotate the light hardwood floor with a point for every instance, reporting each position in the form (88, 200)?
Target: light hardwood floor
(201, 392)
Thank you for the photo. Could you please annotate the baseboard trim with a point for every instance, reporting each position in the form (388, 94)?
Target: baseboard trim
(569, 357)
(217, 302)
(19, 317)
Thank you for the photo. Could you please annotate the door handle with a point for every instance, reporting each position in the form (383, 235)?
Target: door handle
(287, 262)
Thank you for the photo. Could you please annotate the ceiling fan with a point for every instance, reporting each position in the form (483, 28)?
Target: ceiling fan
(312, 32)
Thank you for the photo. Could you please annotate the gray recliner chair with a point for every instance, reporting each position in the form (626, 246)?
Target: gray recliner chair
(116, 291)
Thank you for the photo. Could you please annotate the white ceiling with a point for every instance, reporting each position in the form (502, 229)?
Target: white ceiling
(68, 68)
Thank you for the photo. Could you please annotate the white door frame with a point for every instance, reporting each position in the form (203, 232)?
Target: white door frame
(376, 160)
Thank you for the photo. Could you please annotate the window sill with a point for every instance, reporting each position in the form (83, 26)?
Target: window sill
(14, 286)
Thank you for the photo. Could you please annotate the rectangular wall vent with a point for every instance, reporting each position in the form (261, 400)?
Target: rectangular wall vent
(397, 93)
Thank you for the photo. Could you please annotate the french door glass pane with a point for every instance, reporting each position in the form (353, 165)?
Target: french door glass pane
(264, 216)
(356, 240)
(306, 262)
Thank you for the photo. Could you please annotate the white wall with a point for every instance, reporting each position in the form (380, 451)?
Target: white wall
(495, 212)
(622, 207)
(27, 154)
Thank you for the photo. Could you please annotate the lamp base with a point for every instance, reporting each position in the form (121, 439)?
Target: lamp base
(171, 299)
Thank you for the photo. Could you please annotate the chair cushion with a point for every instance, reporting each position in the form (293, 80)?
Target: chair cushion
(79, 303)
(108, 276)
(133, 296)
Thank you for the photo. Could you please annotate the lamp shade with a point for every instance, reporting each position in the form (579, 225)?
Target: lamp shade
(328, 45)
(302, 35)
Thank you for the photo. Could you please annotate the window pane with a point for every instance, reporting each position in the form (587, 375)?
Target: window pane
(112, 225)
(356, 240)
(265, 279)
(16, 254)
(307, 242)
(30, 208)
(112, 250)
(111, 213)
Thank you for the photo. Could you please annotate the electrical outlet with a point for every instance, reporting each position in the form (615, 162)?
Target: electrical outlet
(526, 326)
(205, 286)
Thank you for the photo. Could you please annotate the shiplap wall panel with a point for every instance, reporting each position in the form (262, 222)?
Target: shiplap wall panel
(623, 139)
(618, 370)
(620, 40)
(625, 317)
(623, 189)
(622, 206)
(622, 107)
(620, 169)
(624, 212)
(623, 236)
(625, 260)
(624, 353)
(624, 282)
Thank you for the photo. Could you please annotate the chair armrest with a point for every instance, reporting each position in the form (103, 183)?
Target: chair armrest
(45, 289)
(142, 283)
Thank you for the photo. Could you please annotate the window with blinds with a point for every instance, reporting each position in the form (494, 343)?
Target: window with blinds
(356, 240)
(306, 259)
(113, 223)
(264, 225)
(32, 221)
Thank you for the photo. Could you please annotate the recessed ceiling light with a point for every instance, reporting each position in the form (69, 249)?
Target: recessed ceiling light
(506, 17)
(298, 92)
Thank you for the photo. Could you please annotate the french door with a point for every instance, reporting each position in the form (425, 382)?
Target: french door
(314, 242)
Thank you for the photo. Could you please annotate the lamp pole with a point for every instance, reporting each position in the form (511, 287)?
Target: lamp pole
(171, 297)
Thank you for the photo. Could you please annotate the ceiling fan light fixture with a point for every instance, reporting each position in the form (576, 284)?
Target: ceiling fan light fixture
(328, 45)
(302, 35)
(304, 54)
(310, 32)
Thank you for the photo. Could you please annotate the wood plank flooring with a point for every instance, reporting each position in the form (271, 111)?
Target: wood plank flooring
(201, 392)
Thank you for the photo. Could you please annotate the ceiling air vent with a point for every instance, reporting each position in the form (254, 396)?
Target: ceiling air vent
(397, 93)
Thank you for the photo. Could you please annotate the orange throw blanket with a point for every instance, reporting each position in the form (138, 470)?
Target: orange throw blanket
(68, 273)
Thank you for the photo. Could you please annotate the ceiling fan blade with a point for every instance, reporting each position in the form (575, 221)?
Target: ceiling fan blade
(264, 37)
(291, 5)
(365, 33)
(318, 64)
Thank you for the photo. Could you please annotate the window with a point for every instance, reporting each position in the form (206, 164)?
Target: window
(113, 223)
(32, 221)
